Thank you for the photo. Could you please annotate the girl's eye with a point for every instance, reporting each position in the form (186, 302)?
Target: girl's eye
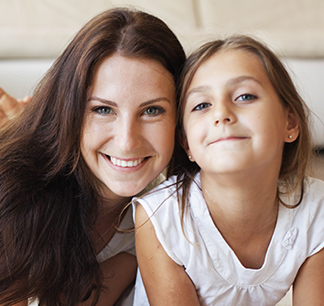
(245, 97)
(103, 110)
(201, 106)
(153, 111)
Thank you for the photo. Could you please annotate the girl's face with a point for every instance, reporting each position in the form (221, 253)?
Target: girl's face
(129, 125)
(233, 118)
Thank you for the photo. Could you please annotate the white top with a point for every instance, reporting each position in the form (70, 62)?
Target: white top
(218, 275)
(121, 241)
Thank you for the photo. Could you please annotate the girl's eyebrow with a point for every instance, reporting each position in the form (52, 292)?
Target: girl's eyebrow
(110, 103)
(197, 89)
(231, 82)
(242, 79)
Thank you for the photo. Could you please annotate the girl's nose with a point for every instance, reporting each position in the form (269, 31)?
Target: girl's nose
(223, 113)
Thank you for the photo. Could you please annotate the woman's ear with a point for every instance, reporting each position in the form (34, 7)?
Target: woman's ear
(292, 127)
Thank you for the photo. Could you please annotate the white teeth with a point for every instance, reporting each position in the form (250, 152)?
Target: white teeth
(126, 164)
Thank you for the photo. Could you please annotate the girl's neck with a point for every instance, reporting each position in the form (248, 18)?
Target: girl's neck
(244, 210)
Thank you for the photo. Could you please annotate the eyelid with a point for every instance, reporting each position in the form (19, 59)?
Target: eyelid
(159, 109)
(251, 97)
(196, 105)
(97, 109)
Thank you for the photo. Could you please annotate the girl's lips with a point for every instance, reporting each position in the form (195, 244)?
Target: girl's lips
(230, 138)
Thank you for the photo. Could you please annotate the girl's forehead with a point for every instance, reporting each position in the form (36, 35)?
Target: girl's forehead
(226, 64)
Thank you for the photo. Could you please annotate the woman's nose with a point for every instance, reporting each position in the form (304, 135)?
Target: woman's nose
(128, 136)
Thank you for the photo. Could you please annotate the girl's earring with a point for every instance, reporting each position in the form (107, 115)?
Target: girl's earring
(290, 136)
(190, 157)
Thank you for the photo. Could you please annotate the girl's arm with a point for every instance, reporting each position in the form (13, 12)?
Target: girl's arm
(166, 282)
(308, 287)
(119, 272)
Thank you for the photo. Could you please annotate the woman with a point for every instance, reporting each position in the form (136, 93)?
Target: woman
(99, 129)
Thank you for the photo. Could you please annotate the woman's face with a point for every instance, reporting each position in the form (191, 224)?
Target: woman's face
(129, 124)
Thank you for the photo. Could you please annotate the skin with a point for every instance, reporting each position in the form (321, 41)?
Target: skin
(130, 119)
(136, 128)
(235, 129)
(130, 116)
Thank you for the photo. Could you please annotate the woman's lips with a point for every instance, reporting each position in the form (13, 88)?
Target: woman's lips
(126, 163)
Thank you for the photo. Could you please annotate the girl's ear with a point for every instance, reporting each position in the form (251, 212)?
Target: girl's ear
(184, 144)
(190, 156)
(292, 128)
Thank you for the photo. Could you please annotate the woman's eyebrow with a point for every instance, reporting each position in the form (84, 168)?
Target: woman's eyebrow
(108, 102)
(155, 100)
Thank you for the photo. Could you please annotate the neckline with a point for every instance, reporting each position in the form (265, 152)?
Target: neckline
(224, 259)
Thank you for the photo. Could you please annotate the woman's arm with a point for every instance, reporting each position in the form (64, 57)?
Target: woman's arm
(119, 272)
(308, 287)
(166, 282)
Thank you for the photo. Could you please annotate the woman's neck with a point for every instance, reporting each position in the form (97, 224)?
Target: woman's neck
(110, 215)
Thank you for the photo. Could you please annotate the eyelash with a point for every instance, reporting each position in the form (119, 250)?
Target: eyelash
(248, 97)
(159, 110)
(199, 107)
(100, 109)
(105, 110)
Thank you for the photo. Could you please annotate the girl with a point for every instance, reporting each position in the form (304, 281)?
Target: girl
(98, 130)
(241, 222)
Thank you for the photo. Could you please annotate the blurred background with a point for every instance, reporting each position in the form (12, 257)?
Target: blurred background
(34, 32)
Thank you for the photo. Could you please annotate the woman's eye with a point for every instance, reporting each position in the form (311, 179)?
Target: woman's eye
(153, 111)
(104, 110)
(245, 97)
(201, 106)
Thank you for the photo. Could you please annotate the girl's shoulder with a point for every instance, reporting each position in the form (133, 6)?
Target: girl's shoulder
(162, 209)
(165, 193)
(314, 186)
(308, 216)
(313, 194)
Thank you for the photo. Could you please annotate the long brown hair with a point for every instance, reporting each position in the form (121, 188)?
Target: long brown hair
(48, 196)
(295, 155)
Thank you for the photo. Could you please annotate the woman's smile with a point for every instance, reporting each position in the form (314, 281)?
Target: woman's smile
(119, 164)
(129, 125)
